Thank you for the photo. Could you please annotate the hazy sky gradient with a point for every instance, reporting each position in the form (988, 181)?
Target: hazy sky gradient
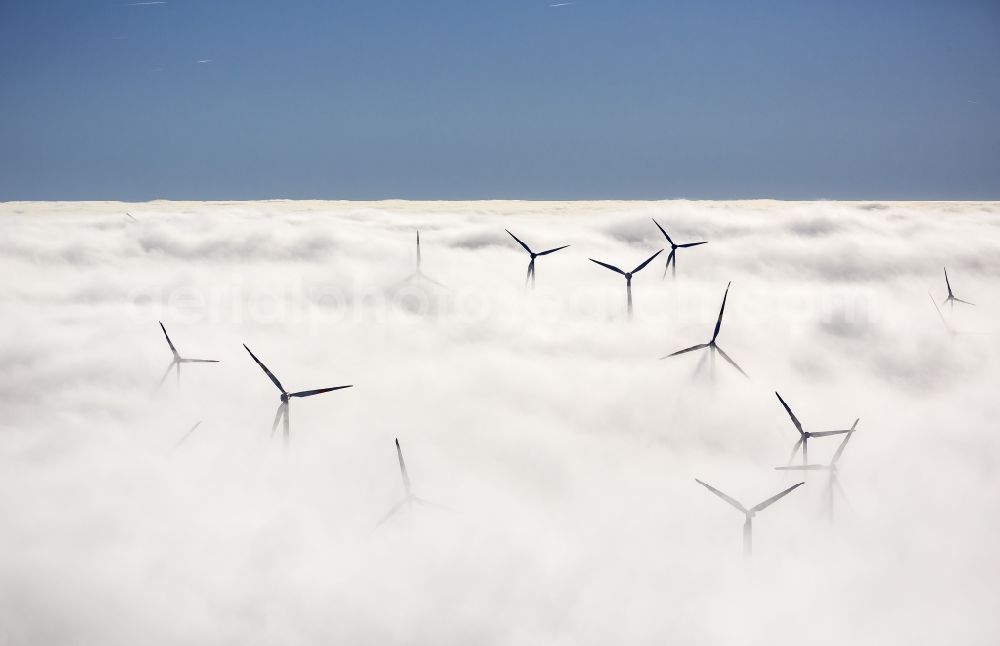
(500, 99)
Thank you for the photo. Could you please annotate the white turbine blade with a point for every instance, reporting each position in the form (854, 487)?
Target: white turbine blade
(775, 498)
(395, 508)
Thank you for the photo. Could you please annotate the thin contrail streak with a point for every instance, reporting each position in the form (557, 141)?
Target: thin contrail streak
(142, 4)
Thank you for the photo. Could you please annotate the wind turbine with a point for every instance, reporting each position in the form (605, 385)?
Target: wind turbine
(672, 258)
(177, 360)
(531, 265)
(712, 345)
(410, 498)
(132, 217)
(805, 435)
(831, 469)
(418, 273)
(749, 513)
(628, 275)
(951, 295)
(282, 412)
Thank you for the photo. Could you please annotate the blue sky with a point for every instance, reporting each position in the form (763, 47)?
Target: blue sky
(448, 99)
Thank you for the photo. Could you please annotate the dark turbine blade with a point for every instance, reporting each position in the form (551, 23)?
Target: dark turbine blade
(169, 342)
(795, 420)
(691, 244)
(402, 468)
(526, 248)
(691, 349)
(604, 264)
(310, 393)
(548, 251)
(266, 371)
(663, 231)
(647, 261)
(722, 310)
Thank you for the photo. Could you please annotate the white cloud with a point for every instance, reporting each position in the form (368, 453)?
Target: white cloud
(545, 419)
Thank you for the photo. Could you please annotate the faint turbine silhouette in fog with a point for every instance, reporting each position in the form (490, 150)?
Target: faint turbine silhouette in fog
(187, 435)
(282, 412)
(831, 469)
(409, 499)
(951, 298)
(530, 278)
(804, 435)
(628, 276)
(418, 273)
(712, 345)
(672, 258)
(177, 360)
(749, 513)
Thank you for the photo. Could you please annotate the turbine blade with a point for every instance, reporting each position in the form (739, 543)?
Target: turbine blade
(663, 231)
(266, 371)
(691, 349)
(795, 420)
(402, 468)
(947, 282)
(198, 361)
(187, 435)
(840, 449)
(277, 418)
(722, 310)
(775, 498)
(826, 433)
(395, 508)
(526, 247)
(666, 267)
(959, 300)
(169, 342)
(691, 244)
(310, 393)
(164, 377)
(647, 261)
(548, 251)
(730, 500)
(611, 267)
(731, 362)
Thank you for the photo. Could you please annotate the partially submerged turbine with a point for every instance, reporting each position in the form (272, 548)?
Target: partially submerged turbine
(749, 513)
(672, 258)
(833, 481)
(282, 412)
(712, 345)
(418, 274)
(628, 275)
(530, 278)
(410, 498)
(804, 435)
(177, 360)
(951, 298)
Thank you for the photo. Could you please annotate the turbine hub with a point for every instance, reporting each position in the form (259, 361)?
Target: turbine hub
(284, 398)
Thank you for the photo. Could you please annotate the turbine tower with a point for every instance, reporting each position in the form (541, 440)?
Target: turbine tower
(628, 276)
(282, 412)
(749, 513)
